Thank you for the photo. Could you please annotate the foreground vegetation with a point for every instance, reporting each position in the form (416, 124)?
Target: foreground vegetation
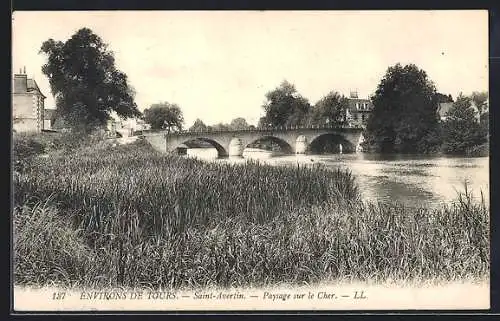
(127, 216)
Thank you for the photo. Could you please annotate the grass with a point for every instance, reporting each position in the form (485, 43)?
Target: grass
(128, 216)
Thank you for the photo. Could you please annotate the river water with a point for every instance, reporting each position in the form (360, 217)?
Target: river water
(410, 179)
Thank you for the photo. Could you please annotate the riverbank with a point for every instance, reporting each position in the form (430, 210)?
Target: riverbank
(414, 180)
(128, 216)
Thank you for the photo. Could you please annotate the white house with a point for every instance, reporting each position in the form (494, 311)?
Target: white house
(126, 127)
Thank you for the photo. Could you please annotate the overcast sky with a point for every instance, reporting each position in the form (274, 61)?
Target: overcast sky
(219, 65)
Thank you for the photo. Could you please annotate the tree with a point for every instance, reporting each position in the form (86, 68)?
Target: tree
(263, 122)
(329, 109)
(198, 126)
(480, 100)
(404, 117)
(238, 124)
(284, 107)
(85, 83)
(164, 116)
(219, 127)
(461, 130)
(77, 119)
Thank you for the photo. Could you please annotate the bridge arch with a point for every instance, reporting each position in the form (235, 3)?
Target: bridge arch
(330, 143)
(221, 151)
(296, 140)
(259, 143)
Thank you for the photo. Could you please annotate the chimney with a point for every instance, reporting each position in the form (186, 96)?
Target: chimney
(20, 82)
(354, 94)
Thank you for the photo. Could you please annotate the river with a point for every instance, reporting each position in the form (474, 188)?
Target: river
(410, 179)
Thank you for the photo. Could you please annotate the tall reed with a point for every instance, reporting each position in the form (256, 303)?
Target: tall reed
(129, 216)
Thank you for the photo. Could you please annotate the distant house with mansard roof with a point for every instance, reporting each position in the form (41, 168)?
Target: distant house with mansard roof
(358, 110)
(444, 108)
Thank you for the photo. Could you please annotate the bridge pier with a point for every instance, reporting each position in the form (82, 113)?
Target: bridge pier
(301, 145)
(236, 148)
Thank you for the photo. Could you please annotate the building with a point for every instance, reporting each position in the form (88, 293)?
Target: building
(48, 118)
(358, 110)
(443, 109)
(126, 127)
(27, 104)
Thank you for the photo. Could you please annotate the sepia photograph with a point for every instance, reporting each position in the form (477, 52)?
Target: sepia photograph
(250, 160)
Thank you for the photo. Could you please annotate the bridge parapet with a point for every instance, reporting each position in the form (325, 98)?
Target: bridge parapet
(264, 129)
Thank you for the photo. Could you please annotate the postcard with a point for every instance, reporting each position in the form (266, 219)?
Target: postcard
(250, 160)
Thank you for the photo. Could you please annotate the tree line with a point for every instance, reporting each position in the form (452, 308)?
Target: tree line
(284, 107)
(88, 87)
(406, 118)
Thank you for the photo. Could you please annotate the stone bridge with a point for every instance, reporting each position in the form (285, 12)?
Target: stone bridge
(233, 142)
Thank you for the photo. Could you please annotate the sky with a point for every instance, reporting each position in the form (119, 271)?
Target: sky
(219, 65)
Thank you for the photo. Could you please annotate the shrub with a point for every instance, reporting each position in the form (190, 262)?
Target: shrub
(482, 150)
(24, 148)
(26, 145)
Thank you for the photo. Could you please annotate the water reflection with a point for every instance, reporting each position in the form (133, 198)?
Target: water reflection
(411, 179)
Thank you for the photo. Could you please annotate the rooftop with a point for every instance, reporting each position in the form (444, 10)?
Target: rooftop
(31, 84)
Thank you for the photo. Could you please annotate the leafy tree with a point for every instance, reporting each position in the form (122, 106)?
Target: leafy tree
(198, 126)
(404, 118)
(284, 107)
(461, 130)
(480, 100)
(85, 82)
(164, 116)
(58, 121)
(238, 124)
(263, 122)
(329, 109)
(219, 127)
